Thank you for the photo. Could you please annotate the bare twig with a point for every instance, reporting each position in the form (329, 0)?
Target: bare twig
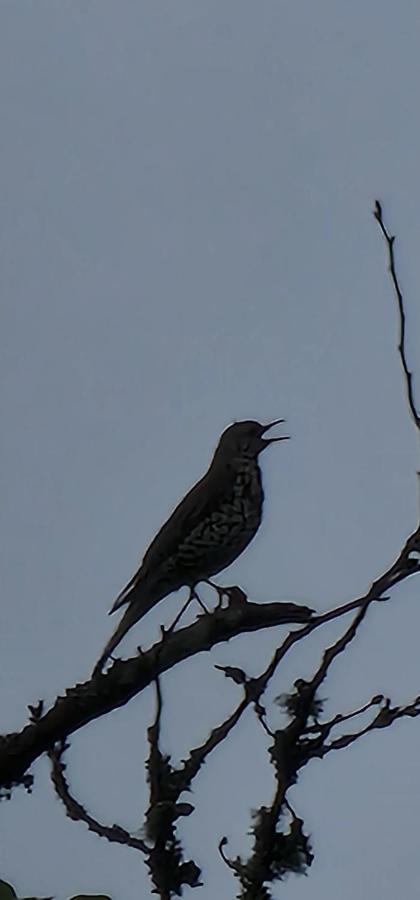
(77, 812)
(199, 754)
(386, 717)
(390, 241)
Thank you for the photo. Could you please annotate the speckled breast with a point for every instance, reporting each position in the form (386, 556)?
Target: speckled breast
(221, 537)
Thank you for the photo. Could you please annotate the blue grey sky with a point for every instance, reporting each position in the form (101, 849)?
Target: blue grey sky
(186, 239)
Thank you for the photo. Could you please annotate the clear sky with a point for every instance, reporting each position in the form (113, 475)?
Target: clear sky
(186, 239)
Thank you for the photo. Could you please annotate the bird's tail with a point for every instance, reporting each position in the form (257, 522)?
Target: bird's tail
(142, 598)
(124, 595)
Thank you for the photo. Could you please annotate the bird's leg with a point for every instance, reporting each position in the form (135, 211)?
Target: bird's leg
(220, 591)
(199, 601)
(181, 613)
(192, 596)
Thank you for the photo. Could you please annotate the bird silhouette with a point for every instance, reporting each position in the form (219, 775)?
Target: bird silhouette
(207, 531)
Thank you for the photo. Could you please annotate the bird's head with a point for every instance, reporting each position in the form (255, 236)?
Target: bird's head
(245, 440)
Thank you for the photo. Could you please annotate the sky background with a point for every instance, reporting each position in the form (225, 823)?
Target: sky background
(186, 238)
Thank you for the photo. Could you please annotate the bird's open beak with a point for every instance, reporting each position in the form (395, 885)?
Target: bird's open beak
(273, 439)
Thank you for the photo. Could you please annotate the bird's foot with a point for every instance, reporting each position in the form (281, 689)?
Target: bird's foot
(234, 594)
(221, 592)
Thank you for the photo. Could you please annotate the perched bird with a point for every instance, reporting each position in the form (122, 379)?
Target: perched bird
(207, 531)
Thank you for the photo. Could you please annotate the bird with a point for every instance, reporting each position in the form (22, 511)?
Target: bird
(207, 531)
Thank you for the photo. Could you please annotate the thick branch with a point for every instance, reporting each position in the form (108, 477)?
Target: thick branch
(98, 696)
(86, 702)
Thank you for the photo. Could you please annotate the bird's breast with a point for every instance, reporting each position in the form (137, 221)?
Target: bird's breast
(247, 480)
(225, 529)
(234, 519)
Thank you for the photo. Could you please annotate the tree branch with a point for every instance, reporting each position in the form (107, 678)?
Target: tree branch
(78, 813)
(390, 241)
(165, 861)
(97, 696)
(86, 702)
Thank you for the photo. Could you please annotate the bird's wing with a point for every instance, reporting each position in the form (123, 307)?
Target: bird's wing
(197, 505)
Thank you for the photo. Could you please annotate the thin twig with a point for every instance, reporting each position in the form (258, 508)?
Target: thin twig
(198, 755)
(390, 241)
(386, 717)
(77, 812)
